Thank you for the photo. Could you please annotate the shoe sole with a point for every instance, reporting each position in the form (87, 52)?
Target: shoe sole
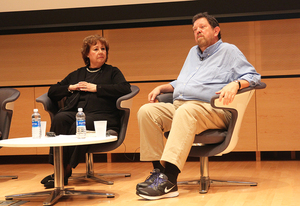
(168, 195)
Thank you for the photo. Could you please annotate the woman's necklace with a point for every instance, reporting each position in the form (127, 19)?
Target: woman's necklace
(92, 71)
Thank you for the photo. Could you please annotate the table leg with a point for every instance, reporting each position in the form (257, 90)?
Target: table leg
(55, 195)
(28, 195)
(59, 190)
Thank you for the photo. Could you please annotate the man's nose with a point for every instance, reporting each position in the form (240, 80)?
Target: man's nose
(199, 30)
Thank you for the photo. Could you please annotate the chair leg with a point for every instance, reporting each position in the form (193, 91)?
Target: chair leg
(8, 177)
(205, 182)
(99, 177)
(204, 176)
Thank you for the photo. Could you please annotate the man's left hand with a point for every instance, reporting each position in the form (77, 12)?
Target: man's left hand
(228, 93)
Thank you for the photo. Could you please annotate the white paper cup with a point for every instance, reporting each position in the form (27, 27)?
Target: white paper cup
(43, 128)
(100, 128)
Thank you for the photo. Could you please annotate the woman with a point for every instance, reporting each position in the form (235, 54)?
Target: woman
(95, 88)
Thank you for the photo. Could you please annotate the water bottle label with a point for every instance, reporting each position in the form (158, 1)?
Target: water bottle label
(35, 123)
(80, 122)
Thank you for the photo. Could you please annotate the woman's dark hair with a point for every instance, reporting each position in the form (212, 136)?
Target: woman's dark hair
(211, 20)
(90, 41)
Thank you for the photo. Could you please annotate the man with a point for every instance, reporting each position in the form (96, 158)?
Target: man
(211, 67)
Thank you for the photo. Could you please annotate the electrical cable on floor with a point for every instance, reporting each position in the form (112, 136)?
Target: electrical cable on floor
(132, 160)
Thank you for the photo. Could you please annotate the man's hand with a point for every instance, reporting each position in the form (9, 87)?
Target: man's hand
(228, 93)
(153, 94)
(157, 90)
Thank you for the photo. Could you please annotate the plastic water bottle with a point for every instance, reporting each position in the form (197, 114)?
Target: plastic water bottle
(36, 124)
(80, 124)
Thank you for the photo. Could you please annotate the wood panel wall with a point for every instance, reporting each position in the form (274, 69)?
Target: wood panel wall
(152, 56)
(278, 115)
(277, 47)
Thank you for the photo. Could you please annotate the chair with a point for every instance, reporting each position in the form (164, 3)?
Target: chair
(123, 104)
(7, 98)
(216, 142)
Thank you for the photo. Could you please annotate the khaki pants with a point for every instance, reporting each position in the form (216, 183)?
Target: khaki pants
(183, 119)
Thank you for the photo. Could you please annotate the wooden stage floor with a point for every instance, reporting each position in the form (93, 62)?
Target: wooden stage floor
(278, 184)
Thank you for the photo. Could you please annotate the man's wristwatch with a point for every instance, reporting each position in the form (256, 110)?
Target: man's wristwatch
(237, 81)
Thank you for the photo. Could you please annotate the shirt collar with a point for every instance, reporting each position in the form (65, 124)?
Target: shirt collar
(209, 50)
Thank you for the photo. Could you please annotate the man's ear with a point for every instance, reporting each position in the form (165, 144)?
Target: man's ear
(217, 30)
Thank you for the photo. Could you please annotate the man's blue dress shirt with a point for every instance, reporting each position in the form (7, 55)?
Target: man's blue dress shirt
(203, 74)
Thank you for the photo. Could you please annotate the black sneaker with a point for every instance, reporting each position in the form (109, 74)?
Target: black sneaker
(160, 188)
(149, 180)
(47, 178)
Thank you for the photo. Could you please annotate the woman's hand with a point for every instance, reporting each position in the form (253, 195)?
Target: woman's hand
(87, 87)
(73, 87)
(83, 86)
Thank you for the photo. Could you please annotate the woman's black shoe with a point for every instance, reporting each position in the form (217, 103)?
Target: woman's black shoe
(47, 178)
(50, 183)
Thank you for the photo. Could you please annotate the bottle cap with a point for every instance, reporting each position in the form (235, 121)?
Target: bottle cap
(79, 109)
(35, 110)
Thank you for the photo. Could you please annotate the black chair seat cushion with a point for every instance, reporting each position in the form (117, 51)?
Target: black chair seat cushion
(210, 136)
(104, 147)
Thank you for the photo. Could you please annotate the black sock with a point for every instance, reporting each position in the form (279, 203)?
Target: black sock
(157, 165)
(171, 171)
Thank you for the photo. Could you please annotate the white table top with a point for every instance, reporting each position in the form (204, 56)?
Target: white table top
(60, 140)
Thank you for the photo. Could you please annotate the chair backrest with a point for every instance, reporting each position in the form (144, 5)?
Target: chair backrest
(123, 104)
(49, 106)
(7, 98)
(222, 142)
(237, 109)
